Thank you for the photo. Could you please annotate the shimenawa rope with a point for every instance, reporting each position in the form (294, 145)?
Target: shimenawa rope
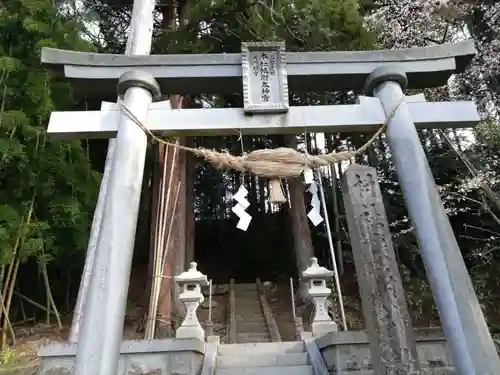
(274, 163)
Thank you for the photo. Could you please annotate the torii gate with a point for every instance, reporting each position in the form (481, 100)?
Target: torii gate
(266, 72)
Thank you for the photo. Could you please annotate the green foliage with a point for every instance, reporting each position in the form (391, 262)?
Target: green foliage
(489, 132)
(221, 25)
(47, 187)
(8, 356)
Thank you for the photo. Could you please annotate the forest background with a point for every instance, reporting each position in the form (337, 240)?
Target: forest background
(49, 188)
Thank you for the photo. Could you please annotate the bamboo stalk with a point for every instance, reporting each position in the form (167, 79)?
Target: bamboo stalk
(171, 225)
(21, 306)
(12, 273)
(157, 251)
(157, 181)
(30, 301)
(7, 320)
(159, 248)
(149, 332)
(159, 234)
(162, 260)
(2, 274)
(47, 301)
(50, 297)
(11, 265)
(165, 244)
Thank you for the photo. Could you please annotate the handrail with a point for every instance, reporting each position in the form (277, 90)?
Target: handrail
(292, 297)
(210, 328)
(332, 252)
(231, 334)
(272, 326)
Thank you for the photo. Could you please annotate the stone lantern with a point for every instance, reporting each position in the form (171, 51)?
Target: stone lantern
(191, 282)
(317, 276)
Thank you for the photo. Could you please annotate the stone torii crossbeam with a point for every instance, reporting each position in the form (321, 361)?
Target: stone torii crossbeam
(264, 72)
(366, 116)
(95, 75)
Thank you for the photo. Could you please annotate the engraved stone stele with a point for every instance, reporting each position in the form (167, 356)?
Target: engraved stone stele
(191, 282)
(390, 333)
(317, 277)
(265, 82)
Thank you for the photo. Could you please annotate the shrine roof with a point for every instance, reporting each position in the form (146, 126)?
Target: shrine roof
(95, 75)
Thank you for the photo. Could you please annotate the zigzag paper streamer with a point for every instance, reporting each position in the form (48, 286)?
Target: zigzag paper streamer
(239, 210)
(315, 214)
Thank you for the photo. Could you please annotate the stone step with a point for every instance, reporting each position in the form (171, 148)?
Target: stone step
(251, 318)
(250, 315)
(249, 330)
(247, 300)
(253, 337)
(246, 292)
(245, 287)
(247, 309)
(245, 329)
(262, 348)
(263, 360)
(271, 370)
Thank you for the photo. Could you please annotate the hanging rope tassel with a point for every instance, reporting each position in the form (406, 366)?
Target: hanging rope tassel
(276, 195)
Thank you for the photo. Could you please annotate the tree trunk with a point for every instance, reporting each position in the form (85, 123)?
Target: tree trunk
(174, 213)
(190, 197)
(175, 216)
(301, 233)
(177, 246)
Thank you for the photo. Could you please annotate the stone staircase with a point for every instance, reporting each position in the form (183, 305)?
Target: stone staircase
(270, 358)
(251, 326)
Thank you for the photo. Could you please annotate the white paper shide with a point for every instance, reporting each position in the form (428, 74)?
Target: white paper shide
(315, 213)
(239, 209)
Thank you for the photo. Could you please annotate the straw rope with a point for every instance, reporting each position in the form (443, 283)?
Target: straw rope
(270, 163)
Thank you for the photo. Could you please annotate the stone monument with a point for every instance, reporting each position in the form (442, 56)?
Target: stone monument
(388, 323)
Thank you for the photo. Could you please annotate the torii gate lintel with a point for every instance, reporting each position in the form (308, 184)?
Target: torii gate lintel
(95, 75)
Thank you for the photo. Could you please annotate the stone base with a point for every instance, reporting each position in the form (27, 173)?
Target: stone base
(190, 332)
(138, 357)
(347, 353)
(321, 328)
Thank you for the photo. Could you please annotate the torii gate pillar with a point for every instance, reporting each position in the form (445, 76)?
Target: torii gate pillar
(473, 350)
